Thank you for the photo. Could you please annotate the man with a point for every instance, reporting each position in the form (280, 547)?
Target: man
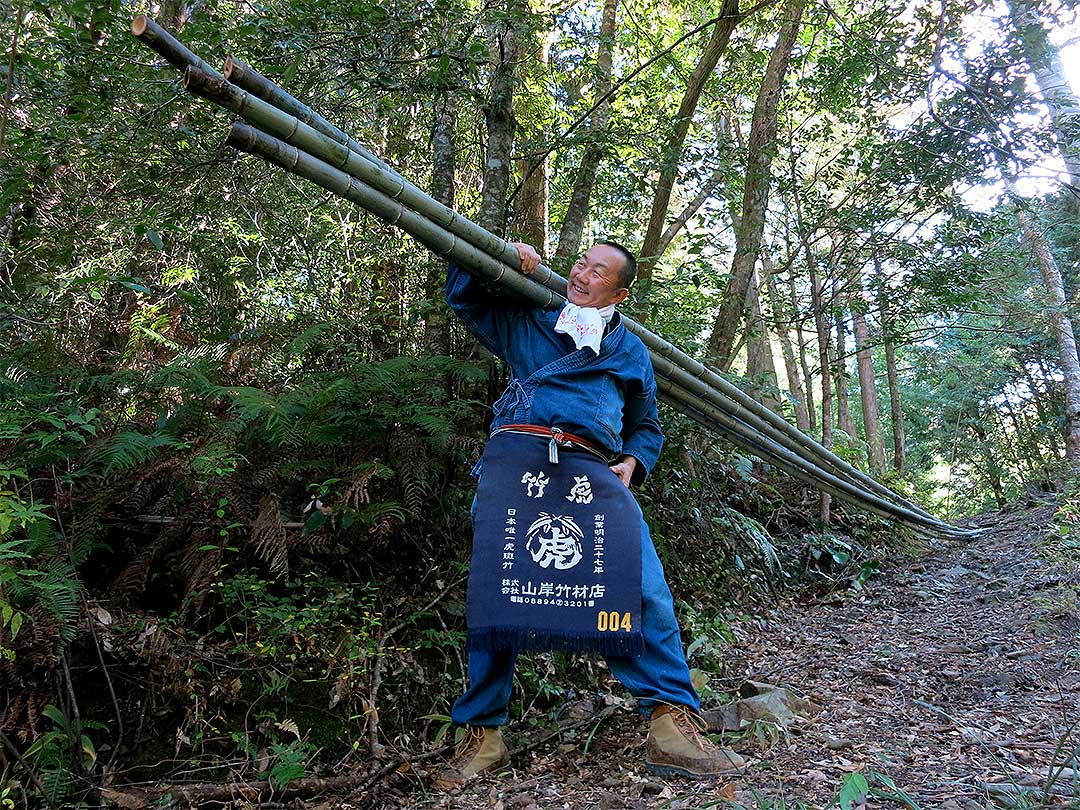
(580, 372)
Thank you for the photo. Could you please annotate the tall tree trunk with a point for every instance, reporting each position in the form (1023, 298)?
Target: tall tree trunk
(577, 211)
(1066, 337)
(808, 380)
(760, 367)
(499, 116)
(896, 410)
(795, 386)
(531, 215)
(1061, 101)
(843, 405)
(672, 154)
(760, 148)
(868, 385)
(821, 321)
(443, 181)
(9, 79)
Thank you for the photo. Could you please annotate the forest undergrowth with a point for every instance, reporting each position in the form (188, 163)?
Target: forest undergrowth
(237, 419)
(223, 582)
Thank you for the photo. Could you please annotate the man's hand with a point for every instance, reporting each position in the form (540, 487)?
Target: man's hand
(530, 259)
(625, 469)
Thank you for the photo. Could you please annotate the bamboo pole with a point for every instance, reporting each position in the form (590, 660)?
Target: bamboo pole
(287, 127)
(292, 130)
(168, 46)
(247, 78)
(438, 239)
(739, 434)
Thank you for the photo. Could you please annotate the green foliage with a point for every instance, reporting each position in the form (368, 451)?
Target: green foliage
(322, 628)
(230, 410)
(1061, 545)
(61, 754)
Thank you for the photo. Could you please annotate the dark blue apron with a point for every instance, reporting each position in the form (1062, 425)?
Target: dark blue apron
(556, 560)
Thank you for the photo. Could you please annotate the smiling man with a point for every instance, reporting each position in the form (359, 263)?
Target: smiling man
(576, 426)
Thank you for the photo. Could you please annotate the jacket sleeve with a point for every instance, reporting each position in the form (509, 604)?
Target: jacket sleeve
(487, 313)
(642, 435)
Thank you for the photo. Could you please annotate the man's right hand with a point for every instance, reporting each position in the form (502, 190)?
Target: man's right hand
(530, 259)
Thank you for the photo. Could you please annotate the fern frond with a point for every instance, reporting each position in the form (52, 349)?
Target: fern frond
(301, 342)
(268, 536)
(128, 449)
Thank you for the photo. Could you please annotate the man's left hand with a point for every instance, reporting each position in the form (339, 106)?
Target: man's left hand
(625, 469)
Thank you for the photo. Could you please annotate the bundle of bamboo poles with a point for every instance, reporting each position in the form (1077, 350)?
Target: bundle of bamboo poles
(287, 133)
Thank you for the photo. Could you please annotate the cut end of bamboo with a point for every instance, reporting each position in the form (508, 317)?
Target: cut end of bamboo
(139, 25)
(231, 66)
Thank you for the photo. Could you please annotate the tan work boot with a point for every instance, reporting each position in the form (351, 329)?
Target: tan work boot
(677, 745)
(480, 750)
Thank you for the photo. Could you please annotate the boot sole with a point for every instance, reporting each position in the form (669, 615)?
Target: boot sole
(674, 770)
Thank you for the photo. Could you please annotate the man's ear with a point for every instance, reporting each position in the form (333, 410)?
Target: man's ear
(620, 295)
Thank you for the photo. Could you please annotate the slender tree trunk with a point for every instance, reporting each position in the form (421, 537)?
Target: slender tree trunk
(499, 117)
(443, 182)
(532, 203)
(577, 211)
(9, 80)
(1057, 92)
(532, 214)
(759, 358)
(896, 410)
(802, 416)
(868, 388)
(760, 148)
(843, 405)
(691, 208)
(808, 380)
(1059, 318)
(672, 155)
(821, 321)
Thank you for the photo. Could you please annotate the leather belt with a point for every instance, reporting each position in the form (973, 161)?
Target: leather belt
(557, 437)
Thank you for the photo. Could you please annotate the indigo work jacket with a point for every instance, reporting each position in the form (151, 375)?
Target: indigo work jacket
(608, 399)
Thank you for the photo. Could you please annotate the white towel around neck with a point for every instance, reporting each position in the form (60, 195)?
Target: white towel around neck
(585, 325)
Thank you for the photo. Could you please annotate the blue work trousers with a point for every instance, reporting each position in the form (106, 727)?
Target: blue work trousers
(660, 675)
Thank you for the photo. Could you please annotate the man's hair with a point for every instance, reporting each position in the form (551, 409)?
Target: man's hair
(628, 272)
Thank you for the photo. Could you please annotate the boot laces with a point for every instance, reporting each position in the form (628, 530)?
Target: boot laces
(692, 725)
(469, 745)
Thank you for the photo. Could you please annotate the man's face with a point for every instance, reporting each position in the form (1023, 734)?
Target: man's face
(594, 278)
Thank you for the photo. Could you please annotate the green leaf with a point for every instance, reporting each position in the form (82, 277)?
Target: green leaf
(16, 623)
(88, 749)
(55, 715)
(314, 523)
(853, 790)
(155, 239)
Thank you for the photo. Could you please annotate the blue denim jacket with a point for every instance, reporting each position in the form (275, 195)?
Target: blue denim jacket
(608, 399)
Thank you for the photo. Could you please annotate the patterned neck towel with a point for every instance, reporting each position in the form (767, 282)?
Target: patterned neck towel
(556, 560)
(584, 324)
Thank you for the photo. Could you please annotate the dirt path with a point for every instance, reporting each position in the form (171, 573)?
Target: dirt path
(958, 669)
